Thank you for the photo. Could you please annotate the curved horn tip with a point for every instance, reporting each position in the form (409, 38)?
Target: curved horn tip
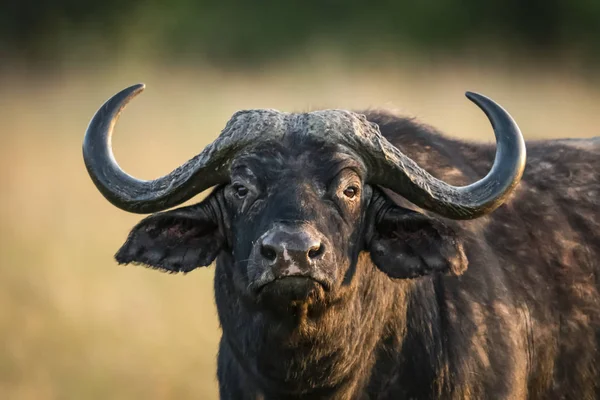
(485, 103)
(133, 90)
(138, 86)
(118, 102)
(476, 97)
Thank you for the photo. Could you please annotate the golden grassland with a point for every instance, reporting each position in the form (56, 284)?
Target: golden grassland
(73, 324)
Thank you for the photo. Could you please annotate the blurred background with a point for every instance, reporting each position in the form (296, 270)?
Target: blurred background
(73, 324)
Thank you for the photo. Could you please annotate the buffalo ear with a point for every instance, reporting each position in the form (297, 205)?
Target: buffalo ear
(407, 244)
(174, 241)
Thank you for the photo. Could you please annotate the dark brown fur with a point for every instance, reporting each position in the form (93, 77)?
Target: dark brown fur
(537, 317)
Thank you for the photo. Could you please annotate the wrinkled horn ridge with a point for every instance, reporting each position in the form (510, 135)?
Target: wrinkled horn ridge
(401, 174)
(130, 194)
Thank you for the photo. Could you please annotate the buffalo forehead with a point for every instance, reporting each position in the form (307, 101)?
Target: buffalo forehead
(323, 124)
(281, 140)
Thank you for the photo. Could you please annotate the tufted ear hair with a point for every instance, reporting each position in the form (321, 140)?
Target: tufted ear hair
(176, 241)
(407, 244)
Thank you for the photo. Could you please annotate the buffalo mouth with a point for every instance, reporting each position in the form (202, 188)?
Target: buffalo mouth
(292, 288)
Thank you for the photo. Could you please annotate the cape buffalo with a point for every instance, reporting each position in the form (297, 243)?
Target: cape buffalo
(344, 270)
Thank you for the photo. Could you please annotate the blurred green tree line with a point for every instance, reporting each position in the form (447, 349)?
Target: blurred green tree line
(248, 31)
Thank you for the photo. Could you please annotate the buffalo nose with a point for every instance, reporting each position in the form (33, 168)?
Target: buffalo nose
(299, 247)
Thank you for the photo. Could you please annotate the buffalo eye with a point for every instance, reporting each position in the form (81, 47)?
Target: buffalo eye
(240, 191)
(350, 192)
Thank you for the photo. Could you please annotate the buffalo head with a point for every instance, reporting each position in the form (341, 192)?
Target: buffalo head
(297, 202)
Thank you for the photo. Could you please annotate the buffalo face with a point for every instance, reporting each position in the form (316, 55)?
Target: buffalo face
(292, 221)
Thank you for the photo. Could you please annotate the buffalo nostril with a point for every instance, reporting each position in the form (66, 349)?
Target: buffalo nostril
(268, 252)
(316, 251)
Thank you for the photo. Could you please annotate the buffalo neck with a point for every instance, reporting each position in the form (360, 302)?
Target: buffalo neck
(328, 355)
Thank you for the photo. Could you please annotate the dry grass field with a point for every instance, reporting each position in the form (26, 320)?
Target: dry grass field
(73, 324)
